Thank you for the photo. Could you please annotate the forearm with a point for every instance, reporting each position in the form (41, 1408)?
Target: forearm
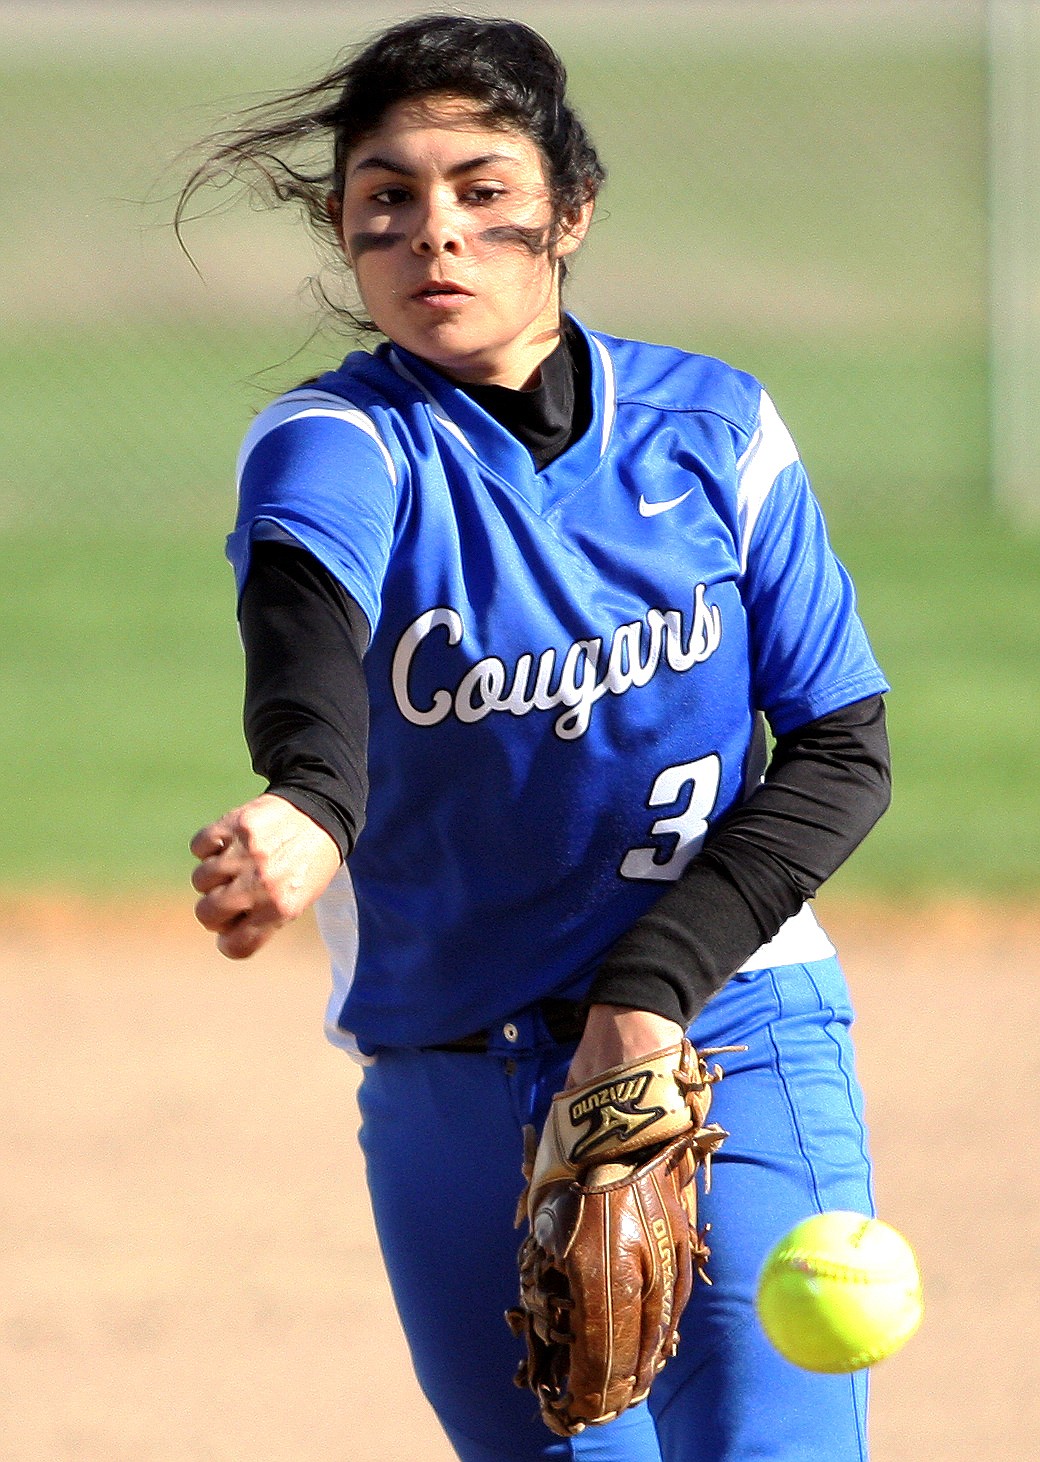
(306, 701)
(306, 718)
(827, 784)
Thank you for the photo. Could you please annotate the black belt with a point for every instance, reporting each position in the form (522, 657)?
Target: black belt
(564, 1020)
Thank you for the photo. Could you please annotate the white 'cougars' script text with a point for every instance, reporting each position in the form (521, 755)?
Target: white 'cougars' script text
(536, 684)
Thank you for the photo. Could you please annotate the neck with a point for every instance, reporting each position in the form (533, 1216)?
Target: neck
(519, 372)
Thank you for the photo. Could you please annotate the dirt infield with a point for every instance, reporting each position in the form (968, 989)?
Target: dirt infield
(188, 1271)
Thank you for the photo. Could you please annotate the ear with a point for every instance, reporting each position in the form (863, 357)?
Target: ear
(334, 209)
(573, 230)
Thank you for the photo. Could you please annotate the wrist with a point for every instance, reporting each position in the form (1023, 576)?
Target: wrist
(636, 1026)
(617, 1034)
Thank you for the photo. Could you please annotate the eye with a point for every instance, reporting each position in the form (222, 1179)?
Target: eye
(482, 193)
(391, 197)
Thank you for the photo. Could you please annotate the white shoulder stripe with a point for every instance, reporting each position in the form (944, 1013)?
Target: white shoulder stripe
(770, 450)
(609, 393)
(301, 404)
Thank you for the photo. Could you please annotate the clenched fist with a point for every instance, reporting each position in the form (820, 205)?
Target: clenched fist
(260, 866)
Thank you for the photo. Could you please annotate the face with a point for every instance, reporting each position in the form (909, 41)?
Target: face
(445, 223)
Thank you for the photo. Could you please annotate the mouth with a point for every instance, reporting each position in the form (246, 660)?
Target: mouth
(440, 291)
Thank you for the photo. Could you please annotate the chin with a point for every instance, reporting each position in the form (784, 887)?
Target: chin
(453, 356)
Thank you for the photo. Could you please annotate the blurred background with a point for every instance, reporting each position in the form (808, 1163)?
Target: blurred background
(800, 188)
(841, 197)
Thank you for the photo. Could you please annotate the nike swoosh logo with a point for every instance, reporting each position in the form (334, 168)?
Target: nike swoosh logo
(650, 510)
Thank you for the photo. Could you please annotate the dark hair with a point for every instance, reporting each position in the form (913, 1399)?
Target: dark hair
(512, 75)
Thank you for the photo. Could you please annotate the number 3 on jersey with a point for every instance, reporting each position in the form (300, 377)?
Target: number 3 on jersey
(687, 826)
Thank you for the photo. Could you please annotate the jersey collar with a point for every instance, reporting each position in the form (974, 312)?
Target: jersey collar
(460, 417)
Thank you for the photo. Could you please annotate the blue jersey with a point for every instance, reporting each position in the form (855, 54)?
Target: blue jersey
(568, 667)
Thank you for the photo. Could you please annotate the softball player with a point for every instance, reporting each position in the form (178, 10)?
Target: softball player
(518, 600)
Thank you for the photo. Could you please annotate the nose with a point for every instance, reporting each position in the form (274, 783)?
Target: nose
(437, 230)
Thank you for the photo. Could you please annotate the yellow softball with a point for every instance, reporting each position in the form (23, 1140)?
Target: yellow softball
(840, 1292)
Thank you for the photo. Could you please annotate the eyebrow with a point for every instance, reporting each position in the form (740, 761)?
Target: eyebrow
(375, 163)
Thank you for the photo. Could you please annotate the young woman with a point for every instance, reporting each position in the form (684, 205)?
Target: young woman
(517, 600)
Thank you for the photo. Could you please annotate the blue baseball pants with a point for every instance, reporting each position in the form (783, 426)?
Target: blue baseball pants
(442, 1138)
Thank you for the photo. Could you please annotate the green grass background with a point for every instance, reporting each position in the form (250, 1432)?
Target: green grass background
(806, 201)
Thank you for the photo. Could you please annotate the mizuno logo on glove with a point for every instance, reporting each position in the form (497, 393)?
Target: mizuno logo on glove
(613, 1112)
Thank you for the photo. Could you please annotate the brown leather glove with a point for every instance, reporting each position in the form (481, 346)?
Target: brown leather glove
(613, 1246)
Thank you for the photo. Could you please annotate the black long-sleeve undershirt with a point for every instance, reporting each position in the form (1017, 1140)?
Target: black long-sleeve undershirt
(826, 785)
(306, 722)
(306, 700)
